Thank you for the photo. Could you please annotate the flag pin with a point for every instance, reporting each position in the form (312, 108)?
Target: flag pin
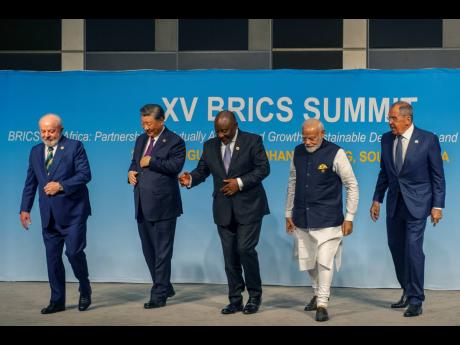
(416, 141)
(237, 148)
(62, 147)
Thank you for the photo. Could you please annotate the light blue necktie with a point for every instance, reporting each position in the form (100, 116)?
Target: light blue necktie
(227, 157)
(398, 155)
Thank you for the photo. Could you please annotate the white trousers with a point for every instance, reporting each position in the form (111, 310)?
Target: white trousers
(316, 252)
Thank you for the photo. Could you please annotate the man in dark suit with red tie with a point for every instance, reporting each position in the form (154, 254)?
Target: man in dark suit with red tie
(411, 170)
(158, 158)
(238, 164)
(59, 168)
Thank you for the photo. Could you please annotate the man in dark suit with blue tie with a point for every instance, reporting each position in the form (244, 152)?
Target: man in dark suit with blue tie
(411, 169)
(59, 168)
(238, 164)
(158, 158)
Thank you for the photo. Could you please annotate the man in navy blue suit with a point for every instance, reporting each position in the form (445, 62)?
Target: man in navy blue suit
(411, 169)
(158, 157)
(59, 168)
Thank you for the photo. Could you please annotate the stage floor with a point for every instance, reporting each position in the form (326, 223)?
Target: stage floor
(200, 304)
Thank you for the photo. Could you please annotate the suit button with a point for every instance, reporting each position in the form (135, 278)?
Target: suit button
(308, 174)
(308, 208)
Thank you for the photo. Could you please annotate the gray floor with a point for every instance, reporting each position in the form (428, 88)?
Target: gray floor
(200, 304)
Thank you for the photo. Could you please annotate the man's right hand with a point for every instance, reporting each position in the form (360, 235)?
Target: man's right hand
(289, 225)
(375, 210)
(132, 177)
(184, 179)
(24, 217)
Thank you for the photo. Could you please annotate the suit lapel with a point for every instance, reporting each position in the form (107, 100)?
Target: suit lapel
(141, 151)
(162, 140)
(60, 150)
(236, 152)
(411, 147)
(218, 153)
(41, 159)
(390, 149)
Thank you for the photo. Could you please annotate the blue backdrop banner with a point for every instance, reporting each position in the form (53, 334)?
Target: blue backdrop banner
(102, 110)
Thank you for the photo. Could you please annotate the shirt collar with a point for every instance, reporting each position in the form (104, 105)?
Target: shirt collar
(156, 137)
(408, 133)
(233, 140)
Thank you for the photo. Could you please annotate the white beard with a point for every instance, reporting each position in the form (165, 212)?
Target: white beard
(314, 148)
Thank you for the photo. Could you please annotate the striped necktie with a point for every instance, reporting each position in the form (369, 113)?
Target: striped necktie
(49, 158)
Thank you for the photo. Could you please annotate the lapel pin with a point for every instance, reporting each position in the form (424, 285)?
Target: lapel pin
(416, 141)
(237, 148)
(62, 147)
(164, 140)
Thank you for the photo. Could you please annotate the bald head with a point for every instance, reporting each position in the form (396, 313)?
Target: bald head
(312, 134)
(50, 129)
(225, 126)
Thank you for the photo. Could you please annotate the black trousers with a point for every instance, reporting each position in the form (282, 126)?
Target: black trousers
(239, 243)
(157, 239)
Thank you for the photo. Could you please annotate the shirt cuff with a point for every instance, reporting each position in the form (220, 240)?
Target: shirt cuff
(240, 183)
(288, 214)
(437, 208)
(190, 184)
(349, 217)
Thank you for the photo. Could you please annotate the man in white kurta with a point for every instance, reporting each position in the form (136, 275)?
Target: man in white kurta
(314, 211)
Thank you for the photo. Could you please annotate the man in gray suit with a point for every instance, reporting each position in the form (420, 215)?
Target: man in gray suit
(238, 164)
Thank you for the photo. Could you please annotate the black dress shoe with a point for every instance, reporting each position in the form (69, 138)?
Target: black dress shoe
(171, 292)
(84, 302)
(53, 308)
(312, 305)
(413, 310)
(321, 314)
(402, 303)
(155, 304)
(232, 308)
(252, 306)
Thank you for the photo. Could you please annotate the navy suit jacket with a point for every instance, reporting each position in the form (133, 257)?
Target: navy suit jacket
(421, 179)
(70, 167)
(249, 162)
(157, 188)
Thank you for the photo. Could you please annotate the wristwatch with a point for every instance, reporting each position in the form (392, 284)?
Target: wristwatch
(61, 189)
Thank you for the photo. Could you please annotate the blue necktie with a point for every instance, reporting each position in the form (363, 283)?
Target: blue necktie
(227, 157)
(398, 155)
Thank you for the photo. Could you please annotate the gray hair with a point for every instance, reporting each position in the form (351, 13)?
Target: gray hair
(405, 109)
(52, 116)
(313, 123)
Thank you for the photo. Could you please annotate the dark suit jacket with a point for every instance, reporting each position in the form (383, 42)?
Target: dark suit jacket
(70, 167)
(157, 187)
(249, 162)
(421, 179)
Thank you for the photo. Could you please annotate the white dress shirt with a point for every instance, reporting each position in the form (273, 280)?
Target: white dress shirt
(54, 151)
(232, 146)
(222, 152)
(342, 167)
(150, 139)
(405, 139)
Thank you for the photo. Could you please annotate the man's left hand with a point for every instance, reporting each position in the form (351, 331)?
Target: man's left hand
(436, 215)
(347, 227)
(52, 188)
(145, 161)
(231, 187)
